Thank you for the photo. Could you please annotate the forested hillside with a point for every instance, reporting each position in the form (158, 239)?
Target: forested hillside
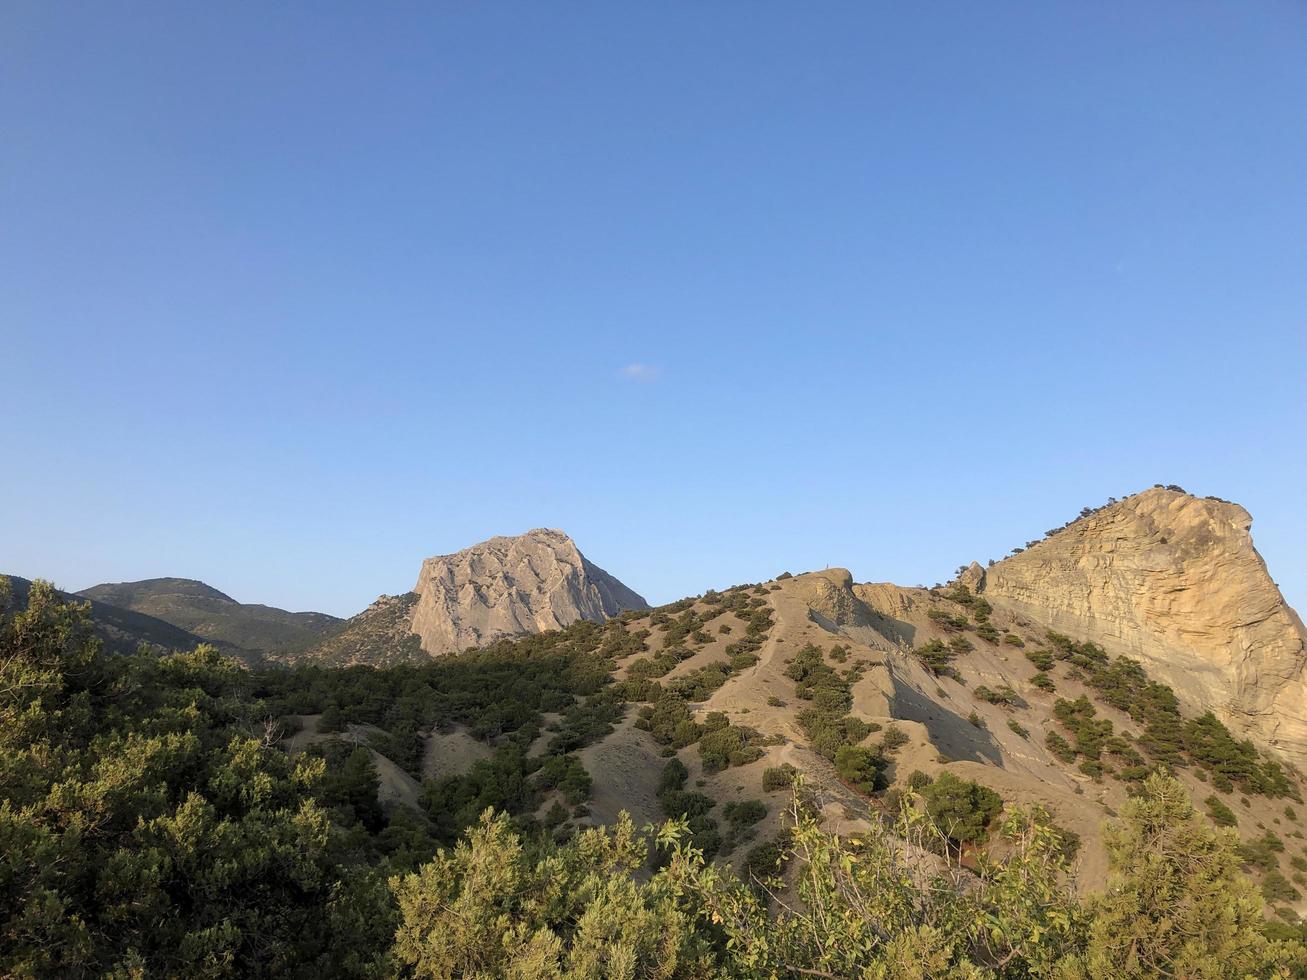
(157, 818)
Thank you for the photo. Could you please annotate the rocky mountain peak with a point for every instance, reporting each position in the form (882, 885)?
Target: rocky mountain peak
(507, 586)
(1174, 581)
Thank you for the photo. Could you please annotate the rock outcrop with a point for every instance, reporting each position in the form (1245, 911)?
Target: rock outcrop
(1174, 581)
(508, 586)
(379, 636)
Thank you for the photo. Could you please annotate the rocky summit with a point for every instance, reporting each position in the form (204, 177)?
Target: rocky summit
(1174, 581)
(500, 588)
(508, 586)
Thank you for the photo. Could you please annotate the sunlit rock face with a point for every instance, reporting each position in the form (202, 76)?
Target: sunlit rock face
(1174, 581)
(508, 586)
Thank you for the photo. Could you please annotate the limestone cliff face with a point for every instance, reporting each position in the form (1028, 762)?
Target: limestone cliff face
(508, 586)
(1174, 581)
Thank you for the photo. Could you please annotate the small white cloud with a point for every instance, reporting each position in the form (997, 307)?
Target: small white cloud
(640, 372)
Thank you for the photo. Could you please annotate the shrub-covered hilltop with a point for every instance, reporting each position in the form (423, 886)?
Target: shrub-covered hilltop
(161, 816)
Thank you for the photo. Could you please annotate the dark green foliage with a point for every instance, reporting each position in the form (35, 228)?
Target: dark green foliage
(827, 722)
(1260, 852)
(669, 721)
(1011, 639)
(1167, 737)
(673, 777)
(586, 721)
(332, 719)
(1002, 695)
(960, 645)
(144, 825)
(764, 863)
(501, 781)
(960, 809)
(1043, 682)
(1041, 658)
(1220, 814)
(937, 658)
(699, 684)
(778, 777)
(1276, 888)
(1017, 727)
(1060, 747)
(349, 786)
(862, 768)
(917, 780)
(566, 774)
(728, 745)
(745, 813)
(965, 597)
(1070, 843)
(893, 739)
(1088, 731)
(947, 621)
(693, 807)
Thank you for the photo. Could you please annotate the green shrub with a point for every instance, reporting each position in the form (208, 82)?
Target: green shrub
(1258, 853)
(778, 777)
(947, 621)
(1003, 695)
(1221, 814)
(1042, 659)
(960, 645)
(1060, 747)
(1276, 888)
(744, 813)
(862, 768)
(673, 777)
(936, 657)
(960, 809)
(893, 739)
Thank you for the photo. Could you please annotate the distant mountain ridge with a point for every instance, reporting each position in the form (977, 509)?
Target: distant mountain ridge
(214, 616)
(121, 630)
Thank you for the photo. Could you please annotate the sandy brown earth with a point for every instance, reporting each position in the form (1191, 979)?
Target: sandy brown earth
(396, 787)
(626, 767)
(947, 726)
(451, 753)
(879, 625)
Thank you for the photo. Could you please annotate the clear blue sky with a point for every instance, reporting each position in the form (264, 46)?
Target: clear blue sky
(292, 296)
